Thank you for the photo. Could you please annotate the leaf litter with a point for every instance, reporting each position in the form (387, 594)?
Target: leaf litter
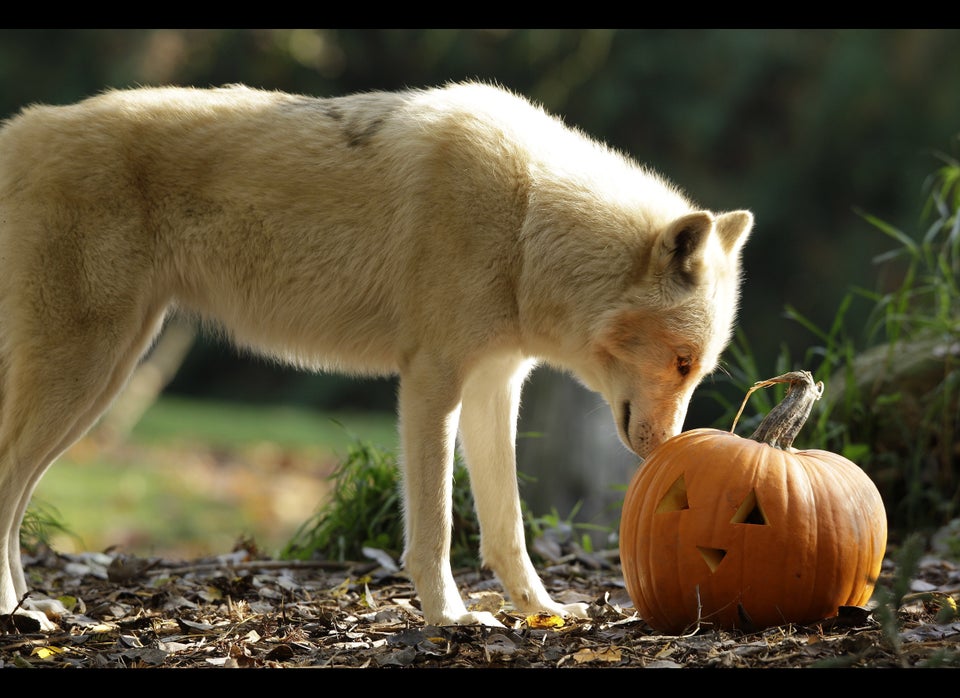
(246, 610)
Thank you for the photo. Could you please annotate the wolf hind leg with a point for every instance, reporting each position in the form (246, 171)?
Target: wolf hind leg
(47, 404)
(488, 430)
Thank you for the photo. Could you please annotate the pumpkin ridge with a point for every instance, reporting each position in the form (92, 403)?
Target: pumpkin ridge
(804, 483)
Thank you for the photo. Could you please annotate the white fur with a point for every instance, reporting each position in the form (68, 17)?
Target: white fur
(453, 236)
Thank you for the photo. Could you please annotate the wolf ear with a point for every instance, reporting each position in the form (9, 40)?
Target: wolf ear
(681, 247)
(733, 229)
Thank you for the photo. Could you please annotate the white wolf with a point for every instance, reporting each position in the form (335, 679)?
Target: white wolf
(452, 236)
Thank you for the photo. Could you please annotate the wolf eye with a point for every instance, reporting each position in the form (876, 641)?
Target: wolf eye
(684, 364)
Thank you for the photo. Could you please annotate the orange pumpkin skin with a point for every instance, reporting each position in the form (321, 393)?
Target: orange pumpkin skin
(812, 540)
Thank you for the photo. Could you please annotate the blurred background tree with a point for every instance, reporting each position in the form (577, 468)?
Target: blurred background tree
(804, 127)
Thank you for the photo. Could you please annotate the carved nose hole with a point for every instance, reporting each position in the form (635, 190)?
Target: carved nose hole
(712, 556)
(675, 498)
(750, 511)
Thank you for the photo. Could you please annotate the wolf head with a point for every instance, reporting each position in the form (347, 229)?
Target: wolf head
(651, 352)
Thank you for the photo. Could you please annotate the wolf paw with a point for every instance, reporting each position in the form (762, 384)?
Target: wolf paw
(51, 607)
(569, 610)
(480, 618)
(470, 618)
(41, 613)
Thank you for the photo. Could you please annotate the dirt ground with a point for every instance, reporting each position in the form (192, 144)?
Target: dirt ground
(241, 610)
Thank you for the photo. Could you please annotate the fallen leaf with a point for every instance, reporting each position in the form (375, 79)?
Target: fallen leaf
(544, 620)
(46, 651)
(610, 655)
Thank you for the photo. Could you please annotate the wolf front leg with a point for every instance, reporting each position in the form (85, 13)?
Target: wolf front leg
(488, 430)
(429, 409)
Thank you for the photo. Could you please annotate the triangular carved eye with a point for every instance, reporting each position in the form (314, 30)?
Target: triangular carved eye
(675, 498)
(750, 511)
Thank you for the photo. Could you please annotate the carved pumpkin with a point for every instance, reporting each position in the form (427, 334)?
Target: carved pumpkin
(723, 531)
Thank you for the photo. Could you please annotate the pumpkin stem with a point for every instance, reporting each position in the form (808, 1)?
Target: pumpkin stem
(781, 426)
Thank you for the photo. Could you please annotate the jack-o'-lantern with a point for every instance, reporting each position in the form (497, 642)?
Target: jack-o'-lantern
(723, 531)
